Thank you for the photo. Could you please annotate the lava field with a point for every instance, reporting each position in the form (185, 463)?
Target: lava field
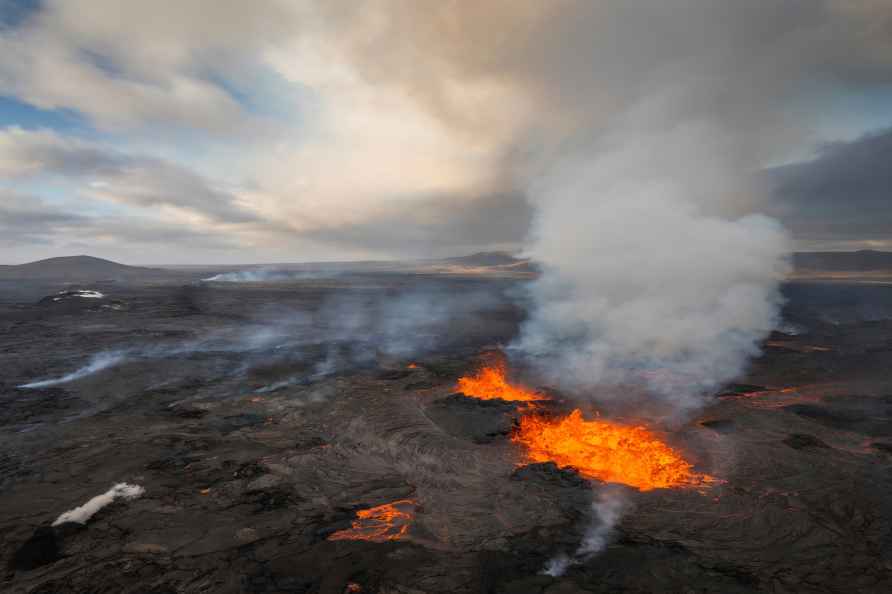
(367, 433)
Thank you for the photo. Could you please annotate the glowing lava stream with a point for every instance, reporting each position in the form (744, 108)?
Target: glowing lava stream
(598, 449)
(381, 523)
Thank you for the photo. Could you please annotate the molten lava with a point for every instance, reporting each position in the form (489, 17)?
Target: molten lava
(607, 451)
(381, 523)
(491, 383)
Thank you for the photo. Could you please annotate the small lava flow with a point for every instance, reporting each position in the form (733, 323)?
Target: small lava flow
(381, 523)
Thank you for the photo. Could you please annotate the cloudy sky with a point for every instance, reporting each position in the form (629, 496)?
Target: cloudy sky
(224, 131)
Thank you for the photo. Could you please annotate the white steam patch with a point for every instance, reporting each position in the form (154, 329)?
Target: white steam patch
(81, 294)
(82, 514)
(606, 514)
(790, 329)
(268, 275)
(652, 274)
(97, 363)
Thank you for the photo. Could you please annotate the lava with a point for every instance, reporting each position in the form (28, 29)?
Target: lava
(381, 523)
(608, 451)
(491, 383)
(599, 449)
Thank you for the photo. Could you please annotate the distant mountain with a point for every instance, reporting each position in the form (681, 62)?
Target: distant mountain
(77, 269)
(860, 261)
(485, 259)
(501, 264)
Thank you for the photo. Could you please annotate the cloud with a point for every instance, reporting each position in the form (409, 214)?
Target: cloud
(114, 176)
(557, 69)
(28, 219)
(317, 128)
(432, 225)
(437, 225)
(24, 153)
(140, 64)
(842, 197)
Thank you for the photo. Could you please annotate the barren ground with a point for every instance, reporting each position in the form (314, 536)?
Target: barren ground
(261, 418)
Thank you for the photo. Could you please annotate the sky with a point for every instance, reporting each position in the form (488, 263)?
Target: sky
(223, 131)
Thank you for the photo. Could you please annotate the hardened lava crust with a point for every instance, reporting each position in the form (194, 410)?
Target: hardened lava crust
(309, 436)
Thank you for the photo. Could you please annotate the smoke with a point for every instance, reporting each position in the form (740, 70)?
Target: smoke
(635, 130)
(606, 514)
(82, 514)
(347, 329)
(269, 275)
(97, 363)
(648, 280)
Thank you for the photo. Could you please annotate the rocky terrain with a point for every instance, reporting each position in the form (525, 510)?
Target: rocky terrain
(269, 424)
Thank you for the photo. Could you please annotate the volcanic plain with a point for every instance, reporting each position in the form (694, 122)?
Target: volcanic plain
(308, 434)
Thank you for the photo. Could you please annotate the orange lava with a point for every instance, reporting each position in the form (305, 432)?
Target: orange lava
(608, 451)
(412, 366)
(381, 523)
(491, 383)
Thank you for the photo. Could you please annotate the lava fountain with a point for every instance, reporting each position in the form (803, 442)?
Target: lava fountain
(381, 523)
(608, 451)
(491, 383)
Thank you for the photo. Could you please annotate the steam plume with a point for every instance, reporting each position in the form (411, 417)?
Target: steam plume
(99, 362)
(606, 513)
(647, 280)
(82, 514)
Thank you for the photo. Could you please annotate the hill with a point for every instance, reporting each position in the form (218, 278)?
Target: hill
(485, 259)
(77, 269)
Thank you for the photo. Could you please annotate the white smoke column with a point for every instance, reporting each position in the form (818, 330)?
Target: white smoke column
(82, 514)
(96, 364)
(606, 514)
(653, 273)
